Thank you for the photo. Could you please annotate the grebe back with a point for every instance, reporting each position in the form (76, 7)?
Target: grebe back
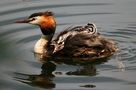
(79, 41)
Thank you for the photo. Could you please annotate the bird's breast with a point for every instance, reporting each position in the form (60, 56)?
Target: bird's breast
(40, 46)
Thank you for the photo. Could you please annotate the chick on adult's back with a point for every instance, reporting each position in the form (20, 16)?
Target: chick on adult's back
(79, 41)
(83, 41)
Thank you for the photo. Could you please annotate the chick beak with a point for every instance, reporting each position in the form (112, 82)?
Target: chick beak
(55, 49)
(23, 21)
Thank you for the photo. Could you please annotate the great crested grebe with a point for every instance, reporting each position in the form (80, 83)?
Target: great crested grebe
(79, 41)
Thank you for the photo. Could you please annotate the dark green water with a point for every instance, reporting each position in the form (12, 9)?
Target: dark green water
(20, 70)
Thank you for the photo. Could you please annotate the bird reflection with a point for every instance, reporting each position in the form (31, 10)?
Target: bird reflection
(87, 70)
(44, 80)
(85, 67)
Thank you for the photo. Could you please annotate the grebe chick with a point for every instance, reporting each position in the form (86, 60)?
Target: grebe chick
(59, 42)
(79, 41)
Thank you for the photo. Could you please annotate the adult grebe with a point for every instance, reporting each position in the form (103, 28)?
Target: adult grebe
(79, 41)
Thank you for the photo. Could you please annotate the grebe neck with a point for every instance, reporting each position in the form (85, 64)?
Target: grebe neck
(48, 30)
(41, 46)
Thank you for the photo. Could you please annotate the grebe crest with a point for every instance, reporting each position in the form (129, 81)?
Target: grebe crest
(47, 24)
(73, 41)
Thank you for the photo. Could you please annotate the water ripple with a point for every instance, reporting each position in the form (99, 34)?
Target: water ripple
(17, 41)
(51, 6)
(12, 20)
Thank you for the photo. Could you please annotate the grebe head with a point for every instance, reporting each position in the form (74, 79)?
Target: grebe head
(47, 24)
(91, 27)
(45, 20)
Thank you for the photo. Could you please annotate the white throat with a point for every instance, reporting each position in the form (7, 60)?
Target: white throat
(41, 44)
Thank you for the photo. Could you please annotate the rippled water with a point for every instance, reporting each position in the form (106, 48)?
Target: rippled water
(20, 70)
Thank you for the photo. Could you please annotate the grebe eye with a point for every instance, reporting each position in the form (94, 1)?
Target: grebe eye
(32, 19)
(61, 43)
(90, 29)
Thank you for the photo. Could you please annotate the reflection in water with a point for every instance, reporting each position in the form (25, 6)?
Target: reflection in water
(46, 78)
(116, 20)
(87, 70)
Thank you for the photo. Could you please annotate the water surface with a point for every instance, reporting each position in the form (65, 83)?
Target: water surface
(20, 70)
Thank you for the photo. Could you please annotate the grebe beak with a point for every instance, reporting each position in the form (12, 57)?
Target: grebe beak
(23, 21)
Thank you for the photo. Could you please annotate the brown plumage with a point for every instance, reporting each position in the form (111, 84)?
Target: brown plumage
(87, 45)
(79, 41)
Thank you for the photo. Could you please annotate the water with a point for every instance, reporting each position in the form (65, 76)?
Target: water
(20, 70)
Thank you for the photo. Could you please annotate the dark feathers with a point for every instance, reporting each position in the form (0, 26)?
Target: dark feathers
(83, 41)
(47, 13)
(83, 45)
